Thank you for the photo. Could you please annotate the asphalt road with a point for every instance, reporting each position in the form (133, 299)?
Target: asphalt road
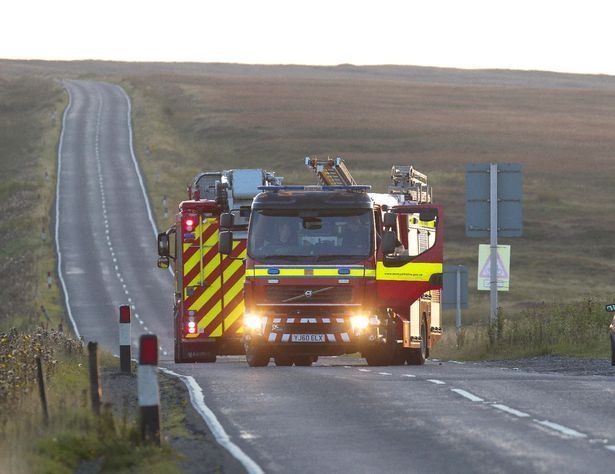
(105, 237)
(339, 415)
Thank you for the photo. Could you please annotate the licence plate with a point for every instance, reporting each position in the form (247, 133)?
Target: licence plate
(307, 338)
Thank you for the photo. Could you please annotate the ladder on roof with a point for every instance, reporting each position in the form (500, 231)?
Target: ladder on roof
(331, 172)
(411, 183)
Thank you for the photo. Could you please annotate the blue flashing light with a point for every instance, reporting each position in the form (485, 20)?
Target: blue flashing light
(343, 271)
(273, 271)
(354, 187)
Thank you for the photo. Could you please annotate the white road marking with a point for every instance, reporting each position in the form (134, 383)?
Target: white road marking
(610, 448)
(468, 395)
(198, 402)
(436, 381)
(196, 393)
(408, 375)
(509, 410)
(562, 429)
(364, 370)
(384, 373)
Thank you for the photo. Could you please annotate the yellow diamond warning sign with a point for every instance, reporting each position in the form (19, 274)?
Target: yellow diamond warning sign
(484, 267)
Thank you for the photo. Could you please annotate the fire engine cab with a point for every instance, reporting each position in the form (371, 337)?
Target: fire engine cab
(334, 269)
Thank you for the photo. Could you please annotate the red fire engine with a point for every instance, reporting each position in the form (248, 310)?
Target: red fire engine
(333, 269)
(209, 307)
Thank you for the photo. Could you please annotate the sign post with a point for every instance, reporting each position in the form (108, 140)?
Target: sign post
(455, 292)
(493, 209)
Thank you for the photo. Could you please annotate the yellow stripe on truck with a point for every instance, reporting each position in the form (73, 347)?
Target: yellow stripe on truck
(407, 272)
(309, 272)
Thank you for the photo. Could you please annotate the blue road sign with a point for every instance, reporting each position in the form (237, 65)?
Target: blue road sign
(510, 190)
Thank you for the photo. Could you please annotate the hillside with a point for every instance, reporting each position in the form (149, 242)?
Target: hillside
(560, 127)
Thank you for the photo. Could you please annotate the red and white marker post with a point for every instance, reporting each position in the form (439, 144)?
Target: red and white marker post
(147, 386)
(125, 339)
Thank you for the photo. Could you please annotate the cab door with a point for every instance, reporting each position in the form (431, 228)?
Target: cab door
(410, 255)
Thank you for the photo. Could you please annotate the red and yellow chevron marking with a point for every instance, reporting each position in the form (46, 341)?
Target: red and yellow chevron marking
(213, 283)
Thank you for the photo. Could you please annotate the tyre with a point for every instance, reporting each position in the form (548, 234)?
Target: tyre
(303, 361)
(256, 357)
(283, 361)
(382, 355)
(209, 358)
(177, 354)
(418, 356)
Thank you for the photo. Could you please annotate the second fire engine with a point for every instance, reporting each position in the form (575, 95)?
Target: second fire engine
(208, 295)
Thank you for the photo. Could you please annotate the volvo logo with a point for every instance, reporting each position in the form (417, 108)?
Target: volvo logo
(307, 294)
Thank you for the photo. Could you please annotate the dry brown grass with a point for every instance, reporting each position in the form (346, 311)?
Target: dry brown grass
(563, 137)
(561, 128)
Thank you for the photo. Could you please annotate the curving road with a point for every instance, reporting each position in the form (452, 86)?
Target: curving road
(338, 416)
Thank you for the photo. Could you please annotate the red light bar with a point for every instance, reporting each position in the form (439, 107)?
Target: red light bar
(148, 349)
(124, 313)
(190, 224)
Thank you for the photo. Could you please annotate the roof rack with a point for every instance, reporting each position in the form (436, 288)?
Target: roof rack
(411, 183)
(331, 172)
(351, 188)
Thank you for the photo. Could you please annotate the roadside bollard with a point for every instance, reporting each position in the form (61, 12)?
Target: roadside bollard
(147, 387)
(125, 339)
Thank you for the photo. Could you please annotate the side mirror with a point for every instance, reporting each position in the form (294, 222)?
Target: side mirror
(163, 262)
(390, 220)
(225, 242)
(389, 242)
(226, 220)
(428, 215)
(163, 246)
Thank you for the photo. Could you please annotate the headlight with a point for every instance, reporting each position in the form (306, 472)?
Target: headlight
(252, 322)
(359, 322)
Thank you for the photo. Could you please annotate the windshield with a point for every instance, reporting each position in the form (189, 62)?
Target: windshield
(313, 236)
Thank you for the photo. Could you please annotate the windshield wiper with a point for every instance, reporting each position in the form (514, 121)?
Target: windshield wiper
(282, 257)
(324, 258)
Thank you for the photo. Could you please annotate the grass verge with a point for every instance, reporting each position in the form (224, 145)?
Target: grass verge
(578, 329)
(72, 438)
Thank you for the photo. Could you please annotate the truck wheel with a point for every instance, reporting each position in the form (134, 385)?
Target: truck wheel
(177, 350)
(257, 358)
(303, 361)
(209, 359)
(418, 356)
(283, 361)
(379, 356)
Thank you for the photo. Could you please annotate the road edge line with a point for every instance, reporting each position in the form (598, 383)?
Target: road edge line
(57, 216)
(194, 389)
(198, 402)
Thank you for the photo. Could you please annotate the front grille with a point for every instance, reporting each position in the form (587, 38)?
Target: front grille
(309, 328)
(308, 295)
